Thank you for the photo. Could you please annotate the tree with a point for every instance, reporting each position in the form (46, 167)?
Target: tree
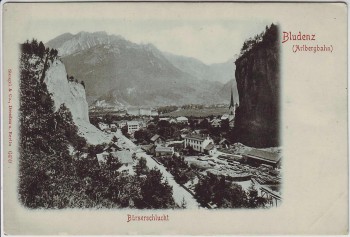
(254, 201)
(223, 193)
(41, 50)
(156, 193)
(141, 135)
(125, 131)
(225, 125)
(141, 167)
(204, 124)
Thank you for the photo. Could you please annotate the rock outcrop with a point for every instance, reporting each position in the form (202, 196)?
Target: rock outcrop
(72, 94)
(258, 82)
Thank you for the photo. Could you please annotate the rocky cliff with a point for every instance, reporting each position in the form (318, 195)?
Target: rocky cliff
(258, 82)
(72, 94)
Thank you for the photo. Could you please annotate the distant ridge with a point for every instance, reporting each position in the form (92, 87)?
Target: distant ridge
(122, 73)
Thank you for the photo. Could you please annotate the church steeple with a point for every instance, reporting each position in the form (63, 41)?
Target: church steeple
(232, 104)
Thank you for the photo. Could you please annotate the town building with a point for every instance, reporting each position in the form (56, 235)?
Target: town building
(257, 157)
(158, 140)
(172, 120)
(102, 157)
(112, 147)
(142, 123)
(224, 143)
(178, 145)
(197, 142)
(231, 113)
(164, 151)
(182, 119)
(164, 119)
(231, 107)
(216, 123)
(210, 149)
(120, 123)
(149, 149)
(225, 116)
(133, 126)
(113, 125)
(123, 156)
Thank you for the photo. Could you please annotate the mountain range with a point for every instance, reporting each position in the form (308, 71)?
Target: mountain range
(118, 72)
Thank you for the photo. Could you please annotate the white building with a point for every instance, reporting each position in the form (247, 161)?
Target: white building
(133, 126)
(164, 119)
(172, 120)
(198, 142)
(216, 123)
(121, 123)
(164, 151)
(124, 157)
(114, 125)
(182, 120)
(102, 157)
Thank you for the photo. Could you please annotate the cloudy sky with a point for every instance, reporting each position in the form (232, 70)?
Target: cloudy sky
(203, 32)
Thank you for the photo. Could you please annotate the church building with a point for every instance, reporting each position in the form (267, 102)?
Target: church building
(232, 109)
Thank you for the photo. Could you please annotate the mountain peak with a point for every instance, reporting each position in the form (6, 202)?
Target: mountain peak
(68, 43)
(97, 33)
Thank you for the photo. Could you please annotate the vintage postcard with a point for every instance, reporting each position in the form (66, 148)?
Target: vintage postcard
(175, 118)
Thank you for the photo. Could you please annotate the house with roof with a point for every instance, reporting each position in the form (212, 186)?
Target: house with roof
(210, 149)
(158, 140)
(216, 123)
(121, 123)
(112, 147)
(164, 151)
(225, 116)
(257, 157)
(149, 149)
(113, 125)
(102, 157)
(197, 141)
(165, 118)
(132, 126)
(182, 119)
(124, 157)
(178, 145)
(224, 143)
(172, 120)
